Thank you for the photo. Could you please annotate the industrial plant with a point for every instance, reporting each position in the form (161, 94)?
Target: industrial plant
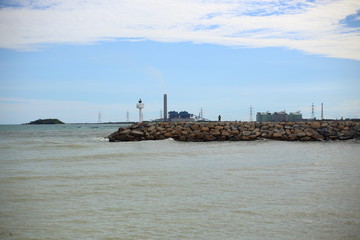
(285, 117)
(278, 117)
(179, 116)
(185, 116)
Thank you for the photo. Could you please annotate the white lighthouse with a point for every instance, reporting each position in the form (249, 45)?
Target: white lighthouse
(140, 106)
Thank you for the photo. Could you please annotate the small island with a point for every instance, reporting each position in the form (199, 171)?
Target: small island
(46, 121)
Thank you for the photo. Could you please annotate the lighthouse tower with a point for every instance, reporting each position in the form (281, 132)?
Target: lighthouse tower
(140, 106)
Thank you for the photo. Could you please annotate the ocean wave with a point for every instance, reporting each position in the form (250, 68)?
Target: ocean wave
(101, 139)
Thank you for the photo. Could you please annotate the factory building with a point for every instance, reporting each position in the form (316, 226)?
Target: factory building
(183, 116)
(278, 117)
(263, 117)
(295, 116)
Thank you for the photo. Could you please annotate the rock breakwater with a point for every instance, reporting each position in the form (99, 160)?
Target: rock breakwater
(238, 131)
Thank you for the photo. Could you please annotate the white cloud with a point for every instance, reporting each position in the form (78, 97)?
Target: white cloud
(311, 26)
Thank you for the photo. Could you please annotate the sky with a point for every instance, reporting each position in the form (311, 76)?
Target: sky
(74, 59)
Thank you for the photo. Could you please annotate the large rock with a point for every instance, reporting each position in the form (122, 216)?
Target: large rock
(301, 134)
(195, 127)
(225, 133)
(315, 125)
(277, 135)
(246, 133)
(136, 133)
(208, 137)
(318, 137)
(215, 132)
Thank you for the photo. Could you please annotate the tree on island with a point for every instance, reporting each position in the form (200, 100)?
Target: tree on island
(46, 121)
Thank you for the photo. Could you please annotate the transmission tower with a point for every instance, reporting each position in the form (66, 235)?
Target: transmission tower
(312, 111)
(251, 113)
(201, 113)
(99, 118)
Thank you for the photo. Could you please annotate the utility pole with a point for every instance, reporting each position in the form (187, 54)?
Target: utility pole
(251, 113)
(99, 118)
(312, 111)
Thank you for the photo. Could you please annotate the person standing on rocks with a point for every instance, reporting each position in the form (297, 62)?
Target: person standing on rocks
(219, 118)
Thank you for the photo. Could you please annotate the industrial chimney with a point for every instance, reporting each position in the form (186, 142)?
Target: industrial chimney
(322, 111)
(165, 107)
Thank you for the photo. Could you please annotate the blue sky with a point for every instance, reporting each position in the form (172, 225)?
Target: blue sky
(73, 59)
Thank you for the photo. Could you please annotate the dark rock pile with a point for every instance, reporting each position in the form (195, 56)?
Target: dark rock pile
(238, 131)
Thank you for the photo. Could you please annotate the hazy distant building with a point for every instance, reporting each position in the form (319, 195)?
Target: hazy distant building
(263, 117)
(183, 116)
(295, 116)
(278, 117)
(173, 114)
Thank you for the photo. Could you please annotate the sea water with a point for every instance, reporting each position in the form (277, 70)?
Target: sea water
(69, 182)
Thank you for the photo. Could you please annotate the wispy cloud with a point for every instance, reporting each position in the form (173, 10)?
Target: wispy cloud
(313, 26)
(157, 77)
(349, 108)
